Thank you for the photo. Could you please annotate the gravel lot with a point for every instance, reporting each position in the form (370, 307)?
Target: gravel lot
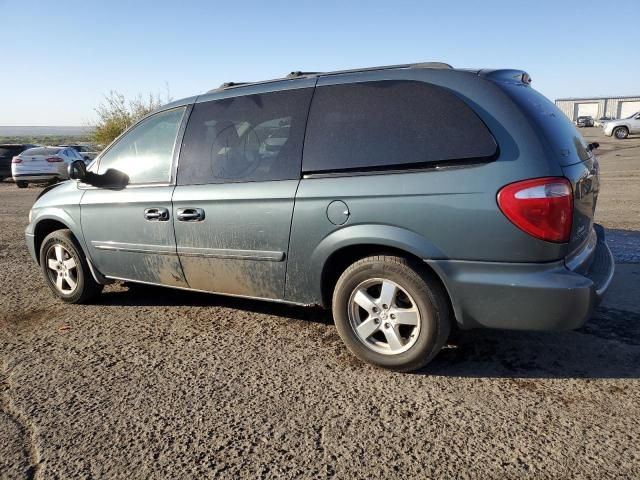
(157, 383)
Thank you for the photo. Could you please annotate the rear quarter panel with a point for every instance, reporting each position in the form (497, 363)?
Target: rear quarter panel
(448, 213)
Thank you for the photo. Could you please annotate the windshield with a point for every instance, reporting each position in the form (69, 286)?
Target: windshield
(632, 115)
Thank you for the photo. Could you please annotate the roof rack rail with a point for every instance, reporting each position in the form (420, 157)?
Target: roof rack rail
(431, 65)
(233, 84)
(392, 67)
(298, 73)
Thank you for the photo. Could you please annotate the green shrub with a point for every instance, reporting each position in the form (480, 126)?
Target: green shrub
(116, 114)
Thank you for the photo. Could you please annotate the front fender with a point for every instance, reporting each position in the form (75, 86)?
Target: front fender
(60, 203)
(60, 215)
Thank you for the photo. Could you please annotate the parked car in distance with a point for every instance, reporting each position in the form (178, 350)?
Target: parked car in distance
(623, 127)
(408, 199)
(42, 165)
(584, 122)
(88, 152)
(602, 120)
(7, 152)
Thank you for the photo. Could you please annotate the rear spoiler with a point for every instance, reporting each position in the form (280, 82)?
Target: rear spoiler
(506, 76)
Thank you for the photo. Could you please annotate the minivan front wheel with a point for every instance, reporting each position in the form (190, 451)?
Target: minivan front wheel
(621, 133)
(391, 312)
(65, 268)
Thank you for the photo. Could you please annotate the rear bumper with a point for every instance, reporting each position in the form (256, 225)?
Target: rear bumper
(35, 177)
(528, 296)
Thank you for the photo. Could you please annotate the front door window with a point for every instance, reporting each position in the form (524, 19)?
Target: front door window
(146, 151)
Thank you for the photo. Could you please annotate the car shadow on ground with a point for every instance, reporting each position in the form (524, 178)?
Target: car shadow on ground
(608, 346)
(624, 244)
(148, 295)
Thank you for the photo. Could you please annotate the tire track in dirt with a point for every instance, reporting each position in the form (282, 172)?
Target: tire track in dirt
(30, 431)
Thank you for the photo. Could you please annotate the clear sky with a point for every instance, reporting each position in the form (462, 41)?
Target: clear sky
(60, 57)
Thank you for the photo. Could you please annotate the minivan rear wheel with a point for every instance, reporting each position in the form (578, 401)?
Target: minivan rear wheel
(65, 268)
(391, 312)
(621, 133)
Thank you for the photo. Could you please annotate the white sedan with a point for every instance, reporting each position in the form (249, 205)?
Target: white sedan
(42, 164)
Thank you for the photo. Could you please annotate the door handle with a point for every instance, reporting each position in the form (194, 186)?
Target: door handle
(190, 214)
(156, 214)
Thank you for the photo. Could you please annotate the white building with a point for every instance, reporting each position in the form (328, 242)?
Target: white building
(616, 107)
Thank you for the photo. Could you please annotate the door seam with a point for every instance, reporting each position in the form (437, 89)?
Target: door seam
(295, 195)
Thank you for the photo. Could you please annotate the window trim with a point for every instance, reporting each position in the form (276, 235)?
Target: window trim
(179, 144)
(176, 149)
(437, 166)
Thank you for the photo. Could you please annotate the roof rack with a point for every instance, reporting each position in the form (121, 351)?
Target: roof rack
(431, 65)
(301, 74)
(298, 73)
(233, 84)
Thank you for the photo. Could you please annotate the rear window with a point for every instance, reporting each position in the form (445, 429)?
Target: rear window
(375, 125)
(556, 128)
(41, 151)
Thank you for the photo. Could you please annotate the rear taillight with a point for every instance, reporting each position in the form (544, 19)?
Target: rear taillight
(542, 207)
(16, 160)
(54, 160)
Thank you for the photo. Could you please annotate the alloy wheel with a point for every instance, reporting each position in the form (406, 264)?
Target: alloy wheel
(62, 269)
(384, 316)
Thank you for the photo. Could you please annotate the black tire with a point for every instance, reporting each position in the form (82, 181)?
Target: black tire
(22, 184)
(86, 288)
(621, 132)
(424, 291)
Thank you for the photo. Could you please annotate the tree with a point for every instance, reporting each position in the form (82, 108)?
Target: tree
(116, 114)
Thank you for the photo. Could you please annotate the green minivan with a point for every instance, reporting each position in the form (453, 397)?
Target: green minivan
(408, 199)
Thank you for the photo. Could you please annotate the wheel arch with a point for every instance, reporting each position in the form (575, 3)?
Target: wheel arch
(52, 221)
(357, 242)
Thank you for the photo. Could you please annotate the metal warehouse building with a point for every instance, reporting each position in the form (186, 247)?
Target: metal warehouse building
(616, 107)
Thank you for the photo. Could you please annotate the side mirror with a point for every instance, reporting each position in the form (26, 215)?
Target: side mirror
(112, 179)
(77, 170)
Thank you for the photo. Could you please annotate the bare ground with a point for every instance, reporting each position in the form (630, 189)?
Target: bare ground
(156, 383)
